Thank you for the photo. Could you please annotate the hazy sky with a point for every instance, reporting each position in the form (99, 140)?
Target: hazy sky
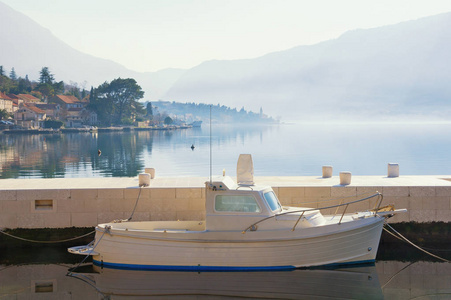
(149, 35)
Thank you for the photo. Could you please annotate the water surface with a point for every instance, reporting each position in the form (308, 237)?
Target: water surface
(286, 149)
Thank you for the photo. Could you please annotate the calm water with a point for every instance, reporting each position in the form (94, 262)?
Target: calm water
(35, 271)
(384, 280)
(297, 149)
(277, 150)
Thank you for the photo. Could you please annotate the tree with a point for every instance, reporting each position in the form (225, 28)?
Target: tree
(47, 84)
(6, 84)
(2, 73)
(58, 87)
(46, 90)
(149, 112)
(45, 76)
(24, 85)
(101, 104)
(168, 120)
(13, 74)
(119, 99)
(4, 114)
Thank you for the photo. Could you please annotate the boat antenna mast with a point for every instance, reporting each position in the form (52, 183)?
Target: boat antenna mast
(210, 151)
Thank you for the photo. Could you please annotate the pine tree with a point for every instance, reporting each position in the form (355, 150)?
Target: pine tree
(13, 75)
(45, 76)
(149, 109)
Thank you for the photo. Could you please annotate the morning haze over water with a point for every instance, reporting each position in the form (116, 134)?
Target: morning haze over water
(277, 150)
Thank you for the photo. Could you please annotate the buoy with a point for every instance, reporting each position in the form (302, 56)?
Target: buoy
(192, 147)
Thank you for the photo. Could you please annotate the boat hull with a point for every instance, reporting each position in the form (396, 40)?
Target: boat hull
(345, 243)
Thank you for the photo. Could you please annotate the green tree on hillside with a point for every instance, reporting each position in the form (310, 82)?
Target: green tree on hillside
(47, 84)
(6, 84)
(45, 76)
(118, 100)
(12, 74)
(149, 111)
(24, 85)
(2, 73)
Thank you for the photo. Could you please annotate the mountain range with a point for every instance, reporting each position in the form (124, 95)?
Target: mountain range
(385, 73)
(28, 47)
(391, 72)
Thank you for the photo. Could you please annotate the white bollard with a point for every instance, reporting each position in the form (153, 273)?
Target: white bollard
(144, 179)
(393, 170)
(327, 171)
(150, 171)
(345, 178)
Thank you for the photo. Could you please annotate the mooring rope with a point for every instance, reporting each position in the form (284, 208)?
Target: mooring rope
(418, 247)
(86, 280)
(136, 204)
(45, 242)
(394, 275)
(106, 229)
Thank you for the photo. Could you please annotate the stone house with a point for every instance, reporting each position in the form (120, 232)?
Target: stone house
(16, 101)
(74, 112)
(52, 110)
(27, 98)
(29, 116)
(78, 117)
(6, 103)
(67, 101)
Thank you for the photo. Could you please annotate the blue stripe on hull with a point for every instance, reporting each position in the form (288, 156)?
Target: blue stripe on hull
(217, 268)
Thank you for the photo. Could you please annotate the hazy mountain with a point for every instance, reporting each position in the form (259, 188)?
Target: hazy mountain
(394, 71)
(27, 46)
(401, 70)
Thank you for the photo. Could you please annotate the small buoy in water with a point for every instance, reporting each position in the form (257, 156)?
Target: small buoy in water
(99, 152)
(192, 147)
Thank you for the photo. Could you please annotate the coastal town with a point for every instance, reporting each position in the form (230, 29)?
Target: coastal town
(30, 112)
(53, 105)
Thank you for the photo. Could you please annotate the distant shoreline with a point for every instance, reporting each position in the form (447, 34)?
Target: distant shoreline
(85, 130)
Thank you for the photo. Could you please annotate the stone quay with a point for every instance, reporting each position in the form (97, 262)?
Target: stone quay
(86, 202)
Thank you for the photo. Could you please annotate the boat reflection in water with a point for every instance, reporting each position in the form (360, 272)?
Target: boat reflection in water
(347, 283)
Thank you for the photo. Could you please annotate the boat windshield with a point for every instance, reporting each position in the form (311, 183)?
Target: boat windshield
(236, 203)
(272, 201)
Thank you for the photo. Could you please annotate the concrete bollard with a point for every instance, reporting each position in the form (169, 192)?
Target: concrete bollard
(327, 171)
(144, 179)
(345, 178)
(150, 171)
(393, 170)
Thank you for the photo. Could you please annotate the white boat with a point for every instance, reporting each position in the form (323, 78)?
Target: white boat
(246, 228)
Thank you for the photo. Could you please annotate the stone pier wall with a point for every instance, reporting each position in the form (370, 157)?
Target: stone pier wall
(65, 206)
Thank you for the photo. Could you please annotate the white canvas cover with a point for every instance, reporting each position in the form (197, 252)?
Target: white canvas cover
(245, 170)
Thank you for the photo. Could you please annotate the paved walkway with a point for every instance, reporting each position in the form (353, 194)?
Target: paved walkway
(197, 182)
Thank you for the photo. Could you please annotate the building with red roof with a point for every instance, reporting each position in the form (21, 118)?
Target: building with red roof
(67, 101)
(29, 116)
(6, 103)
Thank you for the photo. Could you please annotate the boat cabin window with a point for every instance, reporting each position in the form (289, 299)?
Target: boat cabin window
(236, 203)
(272, 201)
